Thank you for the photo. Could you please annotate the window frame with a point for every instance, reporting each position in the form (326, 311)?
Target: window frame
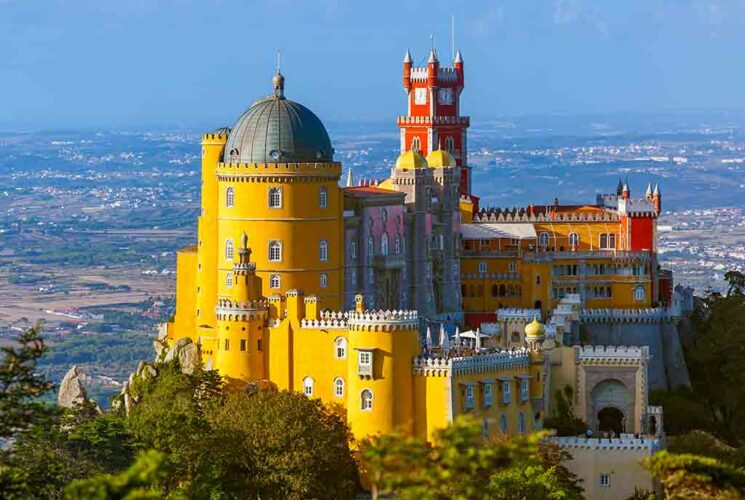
(544, 235)
(340, 348)
(229, 197)
(323, 197)
(366, 404)
(308, 386)
(384, 243)
(275, 278)
(574, 240)
(469, 398)
(274, 244)
(339, 387)
(272, 202)
(229, 250)
(228, 280)
(488, 395)
(323, 251)
(506, 392)
(323, 280)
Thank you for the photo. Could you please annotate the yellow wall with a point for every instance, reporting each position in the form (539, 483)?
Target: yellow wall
(186, 293)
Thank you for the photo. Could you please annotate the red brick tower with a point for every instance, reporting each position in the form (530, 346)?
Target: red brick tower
(433, 120)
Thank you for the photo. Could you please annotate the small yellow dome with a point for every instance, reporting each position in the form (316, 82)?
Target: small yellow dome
(534, 329)
(440, 158)
(410, 160)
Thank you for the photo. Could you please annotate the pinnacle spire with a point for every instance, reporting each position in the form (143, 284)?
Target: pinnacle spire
(458, 57)
(349, 177)
(407, 57)
(432, 56)
(656, 190)
(649, 189)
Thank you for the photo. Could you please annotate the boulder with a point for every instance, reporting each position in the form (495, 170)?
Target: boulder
(174, 350)
(71, 390)
(189, 358)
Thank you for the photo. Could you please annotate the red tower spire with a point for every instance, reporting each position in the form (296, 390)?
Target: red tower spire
(433, 119)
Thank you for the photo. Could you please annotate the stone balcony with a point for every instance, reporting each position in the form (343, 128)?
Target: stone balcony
(388, 262)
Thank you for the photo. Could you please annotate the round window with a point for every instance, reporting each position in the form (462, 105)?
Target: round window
(275, 154)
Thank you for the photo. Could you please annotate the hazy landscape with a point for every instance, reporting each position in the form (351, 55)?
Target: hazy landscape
(92, 219)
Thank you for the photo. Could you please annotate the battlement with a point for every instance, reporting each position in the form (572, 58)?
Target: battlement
(219, 137)
(484, 363)
(242, 268)
(434, 120)
(383, 321)
(522, 214)
(229, 310)
(335, 324)
(622, 444)
(432, 367)
(645, 315)
(611, 354)
(420, 74)
(493, 276)
(278, 172)
(518, 313)
(641, 207)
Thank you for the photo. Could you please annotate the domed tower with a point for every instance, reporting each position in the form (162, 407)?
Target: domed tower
(279, 185)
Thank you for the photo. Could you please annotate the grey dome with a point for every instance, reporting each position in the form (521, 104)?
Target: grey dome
(277, 130)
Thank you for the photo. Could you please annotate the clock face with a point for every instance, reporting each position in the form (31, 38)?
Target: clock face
(420, 96)
(445, 96)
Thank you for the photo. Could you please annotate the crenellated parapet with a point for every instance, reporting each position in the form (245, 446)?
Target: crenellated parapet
(228, 310)
(432, 367)
(613, 355)
(620, 444)
(513, 314)
(278, 172)
(465, 365)
(645, 315)
(332, 321)
(521, 214)
(383, 321)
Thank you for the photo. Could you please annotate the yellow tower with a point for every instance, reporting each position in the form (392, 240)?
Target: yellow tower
(238, 350)
(278, 184)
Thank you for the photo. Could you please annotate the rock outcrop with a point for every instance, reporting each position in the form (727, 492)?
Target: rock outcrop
(71, 389)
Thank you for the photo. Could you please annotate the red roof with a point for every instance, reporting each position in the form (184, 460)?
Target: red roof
(368, 191)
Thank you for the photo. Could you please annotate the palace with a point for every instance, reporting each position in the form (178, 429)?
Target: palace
(404, 301)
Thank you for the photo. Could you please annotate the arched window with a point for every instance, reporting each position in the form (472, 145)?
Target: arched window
(324, 280)
(229, 250)
(449, 144)
(229, 280)
(323, 197)
(323, 250)
(308, 386)
(370, 246)
(397, 244)
(340, 351)
(275, 251)
(275, 197)
(494, 291)
(502, 290)
(353, 249)
(416, 144)
(384, 244)
(234, 155)
(274, 281)
(339, 387)
(543, 239)
(573, 240)
(640, 294)
(229, 197)
(366, 400)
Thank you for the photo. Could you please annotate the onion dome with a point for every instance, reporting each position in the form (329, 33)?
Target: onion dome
(440, 158)
(535, 329)
(410, 160)
(277, 130)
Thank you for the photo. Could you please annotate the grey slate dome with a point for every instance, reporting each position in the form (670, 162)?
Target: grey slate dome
(277, 130)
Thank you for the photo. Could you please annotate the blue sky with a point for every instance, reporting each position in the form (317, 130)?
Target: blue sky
(83, 63)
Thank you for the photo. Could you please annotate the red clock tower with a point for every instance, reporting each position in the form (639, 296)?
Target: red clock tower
(433, 120)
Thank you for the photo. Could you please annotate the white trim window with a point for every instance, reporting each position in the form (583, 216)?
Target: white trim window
(229, 250)
(229, 197)
(449, 144)
(275, 251)
(229, 280)
(308, 386)
(275, 197)
(397, 244)
(506, 392)
(524, 389)
(323, 197)
(543, 239)
(323, 251)
(607, 241)
(469, 398)
(384, 244)
(364, 363)
(366, 400)
(482, 267)
(339, 387)
(324, 281)
(574, 240)
(640, 294)
(340, 350)
(416, 144)
(275, 281)
(605, 480)
(512, 267)
(370, 246)
(488, 395)
(503, 423)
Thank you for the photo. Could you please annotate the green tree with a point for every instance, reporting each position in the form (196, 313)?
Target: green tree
(21, 385)
(563, 420)
(139, 482)
(292, 447)
(460, 464)
(687, 476)
(736, 281)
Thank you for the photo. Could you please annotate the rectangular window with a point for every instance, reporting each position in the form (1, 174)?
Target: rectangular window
(512, 267)
(482, 267)
(365, 363)
(484, 244)
(506, 393)
(524, 389)
(227, 344)
(258, 345)
(605, 480)
(243, 344)
(469, 397)
(229, 280)
(607, 241)
(487, 395)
